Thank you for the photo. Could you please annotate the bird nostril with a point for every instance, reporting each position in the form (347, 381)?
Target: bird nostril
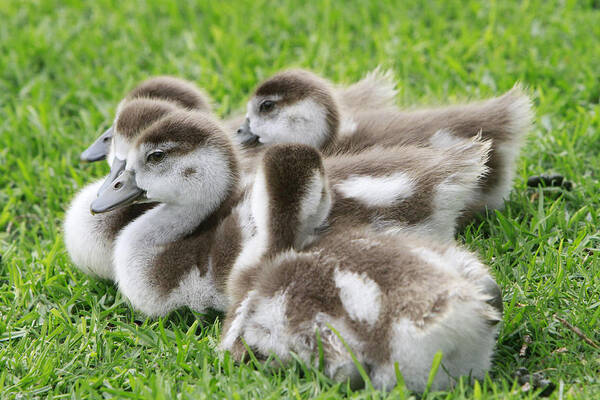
(118, 185)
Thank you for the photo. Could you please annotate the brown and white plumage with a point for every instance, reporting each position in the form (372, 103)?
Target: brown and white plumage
(316, 109)
(297, 106)
(195, 169)
(393, 297)
(180, 92)
(176, 254)
(89, 238)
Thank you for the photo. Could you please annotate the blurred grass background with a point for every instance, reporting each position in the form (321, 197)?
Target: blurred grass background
(64, 66)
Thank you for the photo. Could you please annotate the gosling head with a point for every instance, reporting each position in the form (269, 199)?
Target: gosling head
(182, 93)
(183, 159)
(294, 106)
(133, 117)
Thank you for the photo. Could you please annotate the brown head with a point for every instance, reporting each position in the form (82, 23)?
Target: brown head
(133, 117)
(166, 88)
(294, 106)
(184, 158)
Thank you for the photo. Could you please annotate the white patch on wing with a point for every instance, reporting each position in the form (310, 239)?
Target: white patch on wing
(380, 191)
(347, 126)
(366, 243)
(434, 258)
(444, 138)
(360, 296)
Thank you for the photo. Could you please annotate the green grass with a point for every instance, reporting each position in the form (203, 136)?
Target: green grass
(64, 65)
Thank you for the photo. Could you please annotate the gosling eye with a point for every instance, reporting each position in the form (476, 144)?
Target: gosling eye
(266, 106)
(156, 156)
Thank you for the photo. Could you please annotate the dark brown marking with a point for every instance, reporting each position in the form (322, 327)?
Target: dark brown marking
(189, 172)
(138, 114)
(288, 169)
(183, 93)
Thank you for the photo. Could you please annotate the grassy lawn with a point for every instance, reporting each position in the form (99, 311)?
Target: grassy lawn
(65, 65)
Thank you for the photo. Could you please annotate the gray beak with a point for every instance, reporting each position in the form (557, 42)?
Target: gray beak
(99, 149)
(245, 135)
(116, 168)
(121, 192)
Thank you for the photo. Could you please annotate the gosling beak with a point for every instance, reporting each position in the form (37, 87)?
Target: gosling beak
(121, 192)
(116, 168)
(245, 135)
(99, 149)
